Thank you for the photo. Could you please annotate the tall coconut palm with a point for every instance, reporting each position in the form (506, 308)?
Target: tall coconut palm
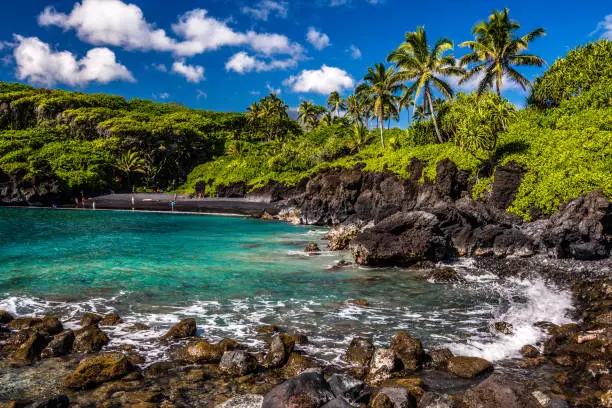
(381, 86)
(427, 67)
(496, 49)
(335, 103)
(354, 110)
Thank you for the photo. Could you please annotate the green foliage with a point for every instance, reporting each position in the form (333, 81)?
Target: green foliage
(580, 70)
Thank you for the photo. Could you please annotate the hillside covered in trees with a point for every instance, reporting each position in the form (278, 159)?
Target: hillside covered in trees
(562, 140)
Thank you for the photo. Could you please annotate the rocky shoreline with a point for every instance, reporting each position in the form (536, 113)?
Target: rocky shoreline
(73, 368)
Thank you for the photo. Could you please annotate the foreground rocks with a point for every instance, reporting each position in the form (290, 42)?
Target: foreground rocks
(96, 370)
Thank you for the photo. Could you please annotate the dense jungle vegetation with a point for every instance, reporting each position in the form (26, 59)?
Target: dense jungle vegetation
(563, 138)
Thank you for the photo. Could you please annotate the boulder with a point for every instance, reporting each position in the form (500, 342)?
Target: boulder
(358, 302)
(393, 398)
(413, 385)
(383, 363)
(529, 351)
(5, 317)
(409, 350)
(95, 370)
(340, 237)
(90, 319)
(185, 328)
(304, 391)
(90, 339)
(497, 391)
(503, 328)
(581, 228)
(337, 403)
(29, 351)
(60, 345)
(468, 367)
(506, 182)
(359, 352)
(402, 239)
(297, 364)
(238, 362)
(443, 275)
(204, 352)
(280, 349)
(312, 247)
(110, 319)
(439, 358)
(46, 325)
(243, 401)
(345, 386)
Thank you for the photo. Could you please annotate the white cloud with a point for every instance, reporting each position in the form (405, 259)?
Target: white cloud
(193, 73)
(242, 62)
(160, 67)
(162, 96)
(322, 81)
(271, 89)
(114, 22)
(264, 8)
(354, 52)
(37, 63)
(318, 39)
(605, 27)
(110, 22)
(201, 94)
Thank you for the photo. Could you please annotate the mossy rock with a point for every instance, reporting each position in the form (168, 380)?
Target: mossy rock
(29, 351)
(110, 319)
(97, 370)
(468, 367)
(90, 339)
(185, 328)
(296, 364)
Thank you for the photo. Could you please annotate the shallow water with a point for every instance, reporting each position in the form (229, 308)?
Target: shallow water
(234, 274)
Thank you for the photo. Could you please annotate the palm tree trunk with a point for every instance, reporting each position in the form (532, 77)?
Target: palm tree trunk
(433, 115)
(382, 124)
(499, 82)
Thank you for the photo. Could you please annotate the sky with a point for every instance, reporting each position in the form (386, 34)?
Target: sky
(224, 54)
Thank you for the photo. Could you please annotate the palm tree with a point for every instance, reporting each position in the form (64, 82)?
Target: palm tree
(405, 101)
(427, 66)
(496, 49)
(354, 110)
(381, 86)
(335, 103)
(308, 114)
(130, 162)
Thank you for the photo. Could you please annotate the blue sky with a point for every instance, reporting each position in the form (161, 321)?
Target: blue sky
(224, 54)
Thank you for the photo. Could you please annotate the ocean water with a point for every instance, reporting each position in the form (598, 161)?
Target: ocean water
(233, 274)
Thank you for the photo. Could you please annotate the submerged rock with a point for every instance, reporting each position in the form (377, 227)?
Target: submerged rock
(60, 345)
(90, 339)
(306, 390)
(96, 370)
(444, 275)
(503, 328)
(468, 367)
(185, 328)
(359, 352)
(312, 247)
(358, 302)
(238, 362)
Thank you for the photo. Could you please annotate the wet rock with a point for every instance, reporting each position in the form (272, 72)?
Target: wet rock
(60, 345)
(434, 400)
(47, 325)
(110, 319)
(383, 363)
(581, 227)
(298, 338)
(96, 370)
(90, 319)
(160, 369)
(297, 364)
(393, 398)
(402, 239)
(268, 329)
(340, 237)
(312, 247)
(532, 362)
(337, 403)
(439, 358)
(243, 401)
(204, 352)
(468, 367)
(529, 351)
(29, 351)
(185, 328)
(304, 391)
(90, 339)
(604, 319)
(409, 350)
(358, 302)
(280, 349)
(5, 317)
(238, 363)
(136, 327)
(444, 275)
(359, 352)
(497, 391)
(504, 328)
(345, 386)
(413, 385)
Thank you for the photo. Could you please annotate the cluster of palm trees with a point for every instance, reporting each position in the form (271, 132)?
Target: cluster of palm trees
(420, 71)
(269, 116)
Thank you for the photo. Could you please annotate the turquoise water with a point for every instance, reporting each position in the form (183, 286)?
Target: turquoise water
(234, 274)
